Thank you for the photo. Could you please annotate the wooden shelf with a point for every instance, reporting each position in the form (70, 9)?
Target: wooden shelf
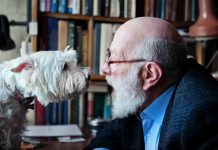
(181, 24)
(110, 19)
(97, 77)
(84, 17)
(65, 16)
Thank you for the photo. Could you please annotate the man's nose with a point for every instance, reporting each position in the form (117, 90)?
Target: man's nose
(105, 69)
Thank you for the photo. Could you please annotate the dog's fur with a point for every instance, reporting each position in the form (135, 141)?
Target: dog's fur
(46, 75)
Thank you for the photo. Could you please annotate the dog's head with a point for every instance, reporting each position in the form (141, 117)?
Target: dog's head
(50, 75)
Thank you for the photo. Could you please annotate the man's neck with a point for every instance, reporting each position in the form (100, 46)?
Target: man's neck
(154, 92)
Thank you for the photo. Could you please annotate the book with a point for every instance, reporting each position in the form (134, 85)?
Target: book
(90, 106)
(78, 42)
(60, 115)
(140, 7)
(107, 8)
(82, 108)
(74, 6)
(114, 8)
(84, 48)
(71, 34)
(62, 34)
(132, 8)
(54, 6)
(99, 99)
(96, 49)
(163, 9)
(48, 114)
(54, 113)
(42, 5)
(48, 5)
(65, 104)
(75, 110)
(107, 113)
(40, 113)
(52, 34)
(62, 6)
(96, 8)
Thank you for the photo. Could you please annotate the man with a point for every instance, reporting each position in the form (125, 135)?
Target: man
(161, 100)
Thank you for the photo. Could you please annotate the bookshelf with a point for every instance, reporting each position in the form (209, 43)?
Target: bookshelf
(142, 8)
(182, 14)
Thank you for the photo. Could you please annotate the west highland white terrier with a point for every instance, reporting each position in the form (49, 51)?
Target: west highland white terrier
(46, 75)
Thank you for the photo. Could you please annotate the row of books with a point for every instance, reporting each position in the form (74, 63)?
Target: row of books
(112, 8)
(60, 33)
(94, 103)
(173, 10)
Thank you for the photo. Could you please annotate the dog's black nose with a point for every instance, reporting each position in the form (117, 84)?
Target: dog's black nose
(88, 78)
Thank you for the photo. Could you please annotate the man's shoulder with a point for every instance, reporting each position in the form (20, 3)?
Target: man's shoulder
(196, 87)
(197, 76)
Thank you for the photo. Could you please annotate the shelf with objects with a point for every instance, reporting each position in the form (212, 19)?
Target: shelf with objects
(109, 14)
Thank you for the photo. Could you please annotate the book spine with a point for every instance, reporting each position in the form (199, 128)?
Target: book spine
(97, 29)
(48, 114)
(48, 5)
(42, 5)
(71, 34)
(114, 8)
(75, 110)
(40, 113)
(78, 43)
(54, 6)
(54, 113)
(69, 112)
(52, 34)
(90, 106)
(65, 112)
(62, 7)
(62, 34)
(60, 113)
(82, 115)
(84, 48)
(107, 114)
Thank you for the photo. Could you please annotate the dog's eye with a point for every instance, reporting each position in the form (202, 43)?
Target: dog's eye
(65, 67)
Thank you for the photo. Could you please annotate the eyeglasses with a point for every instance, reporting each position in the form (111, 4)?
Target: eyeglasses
(108, 62)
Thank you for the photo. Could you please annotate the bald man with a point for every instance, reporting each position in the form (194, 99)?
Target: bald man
(161, 100)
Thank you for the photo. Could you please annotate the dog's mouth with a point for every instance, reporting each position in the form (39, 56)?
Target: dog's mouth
(27, 102)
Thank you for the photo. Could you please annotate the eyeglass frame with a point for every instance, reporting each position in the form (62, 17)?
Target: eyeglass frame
(109, 62)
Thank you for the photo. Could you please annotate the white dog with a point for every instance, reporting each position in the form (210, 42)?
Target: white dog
(47, 75)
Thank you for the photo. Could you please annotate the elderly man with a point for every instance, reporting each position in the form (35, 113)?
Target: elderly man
(161, 99)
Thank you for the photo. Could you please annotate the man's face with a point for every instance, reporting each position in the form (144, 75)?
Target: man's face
(127, 94)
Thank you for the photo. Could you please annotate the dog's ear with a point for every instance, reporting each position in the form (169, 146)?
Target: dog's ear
(21, 66)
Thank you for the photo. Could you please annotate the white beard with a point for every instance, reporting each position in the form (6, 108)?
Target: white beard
(128, 97)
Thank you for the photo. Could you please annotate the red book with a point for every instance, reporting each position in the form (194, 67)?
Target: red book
(39, 113)
(90, 108)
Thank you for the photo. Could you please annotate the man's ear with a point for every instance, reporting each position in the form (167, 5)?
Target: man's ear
(21, 66)
(151, 74)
